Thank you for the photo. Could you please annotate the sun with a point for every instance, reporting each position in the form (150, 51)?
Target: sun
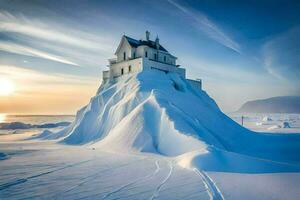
(7, 87)
(2, 117)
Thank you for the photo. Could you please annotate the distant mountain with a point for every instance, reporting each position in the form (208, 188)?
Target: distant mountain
(281, 104)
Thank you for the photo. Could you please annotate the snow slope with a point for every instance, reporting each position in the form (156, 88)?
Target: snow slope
(157, 112)
(151, 136)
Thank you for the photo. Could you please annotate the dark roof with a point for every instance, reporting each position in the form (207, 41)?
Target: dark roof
(136, 43)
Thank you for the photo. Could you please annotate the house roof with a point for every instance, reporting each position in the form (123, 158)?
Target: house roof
(136, 43)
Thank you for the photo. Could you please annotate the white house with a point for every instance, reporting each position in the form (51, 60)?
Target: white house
(136, 55)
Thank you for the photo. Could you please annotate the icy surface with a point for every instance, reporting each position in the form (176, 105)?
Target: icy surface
(256, 122)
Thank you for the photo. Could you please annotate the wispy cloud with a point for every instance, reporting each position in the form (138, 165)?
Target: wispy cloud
(207, 26)
(24, 50)
(52, 40)
(281, 55)
(50, 32)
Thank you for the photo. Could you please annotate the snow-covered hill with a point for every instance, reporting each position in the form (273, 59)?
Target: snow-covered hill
(157, 112)
(282, 104)
(150, 136)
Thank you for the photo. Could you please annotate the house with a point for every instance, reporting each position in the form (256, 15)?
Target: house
(137, 55)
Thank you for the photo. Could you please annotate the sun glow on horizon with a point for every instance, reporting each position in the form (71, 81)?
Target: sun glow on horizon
(7, 87)
(2, 117)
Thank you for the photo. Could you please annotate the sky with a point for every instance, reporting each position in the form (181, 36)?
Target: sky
(52, 53)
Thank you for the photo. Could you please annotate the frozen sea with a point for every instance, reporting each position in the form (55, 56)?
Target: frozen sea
(35, 119)
(268, 122)
(32, 120)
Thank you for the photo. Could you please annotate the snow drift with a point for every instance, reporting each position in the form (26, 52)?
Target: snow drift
(153, 111)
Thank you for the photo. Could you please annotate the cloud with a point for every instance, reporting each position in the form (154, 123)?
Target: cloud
(56, 41)
(205, 25)
(25, 77)
(281, 55)
(24, 50)
(50, 32)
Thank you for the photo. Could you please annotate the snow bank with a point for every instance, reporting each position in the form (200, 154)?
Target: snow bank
(157, 112)
(51, 135)
(265, 121)
(282, 125)
(217, 160)
(274, 127)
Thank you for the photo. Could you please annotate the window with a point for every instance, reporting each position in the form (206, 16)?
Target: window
(122, 71)
(124, 56)
(165, 59)
(155, 56)
(129, 68)
(146, 54)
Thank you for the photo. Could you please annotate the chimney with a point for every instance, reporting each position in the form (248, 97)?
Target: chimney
(157, 42)
(147, 35)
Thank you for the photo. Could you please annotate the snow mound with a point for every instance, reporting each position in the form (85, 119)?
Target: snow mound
(51, 135)
(267, 119)
(259, 123)
(159, 112)
(274, 127)
(282, 125)
(218, 160)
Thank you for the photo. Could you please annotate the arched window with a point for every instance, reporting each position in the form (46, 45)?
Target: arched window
(122, 71)
(124, 56)
(146, 54)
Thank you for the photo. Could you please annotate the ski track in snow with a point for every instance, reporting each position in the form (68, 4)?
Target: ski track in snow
(92, 176)
(149, 176)
(157, 190)
(214, 192)
(23, 180)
